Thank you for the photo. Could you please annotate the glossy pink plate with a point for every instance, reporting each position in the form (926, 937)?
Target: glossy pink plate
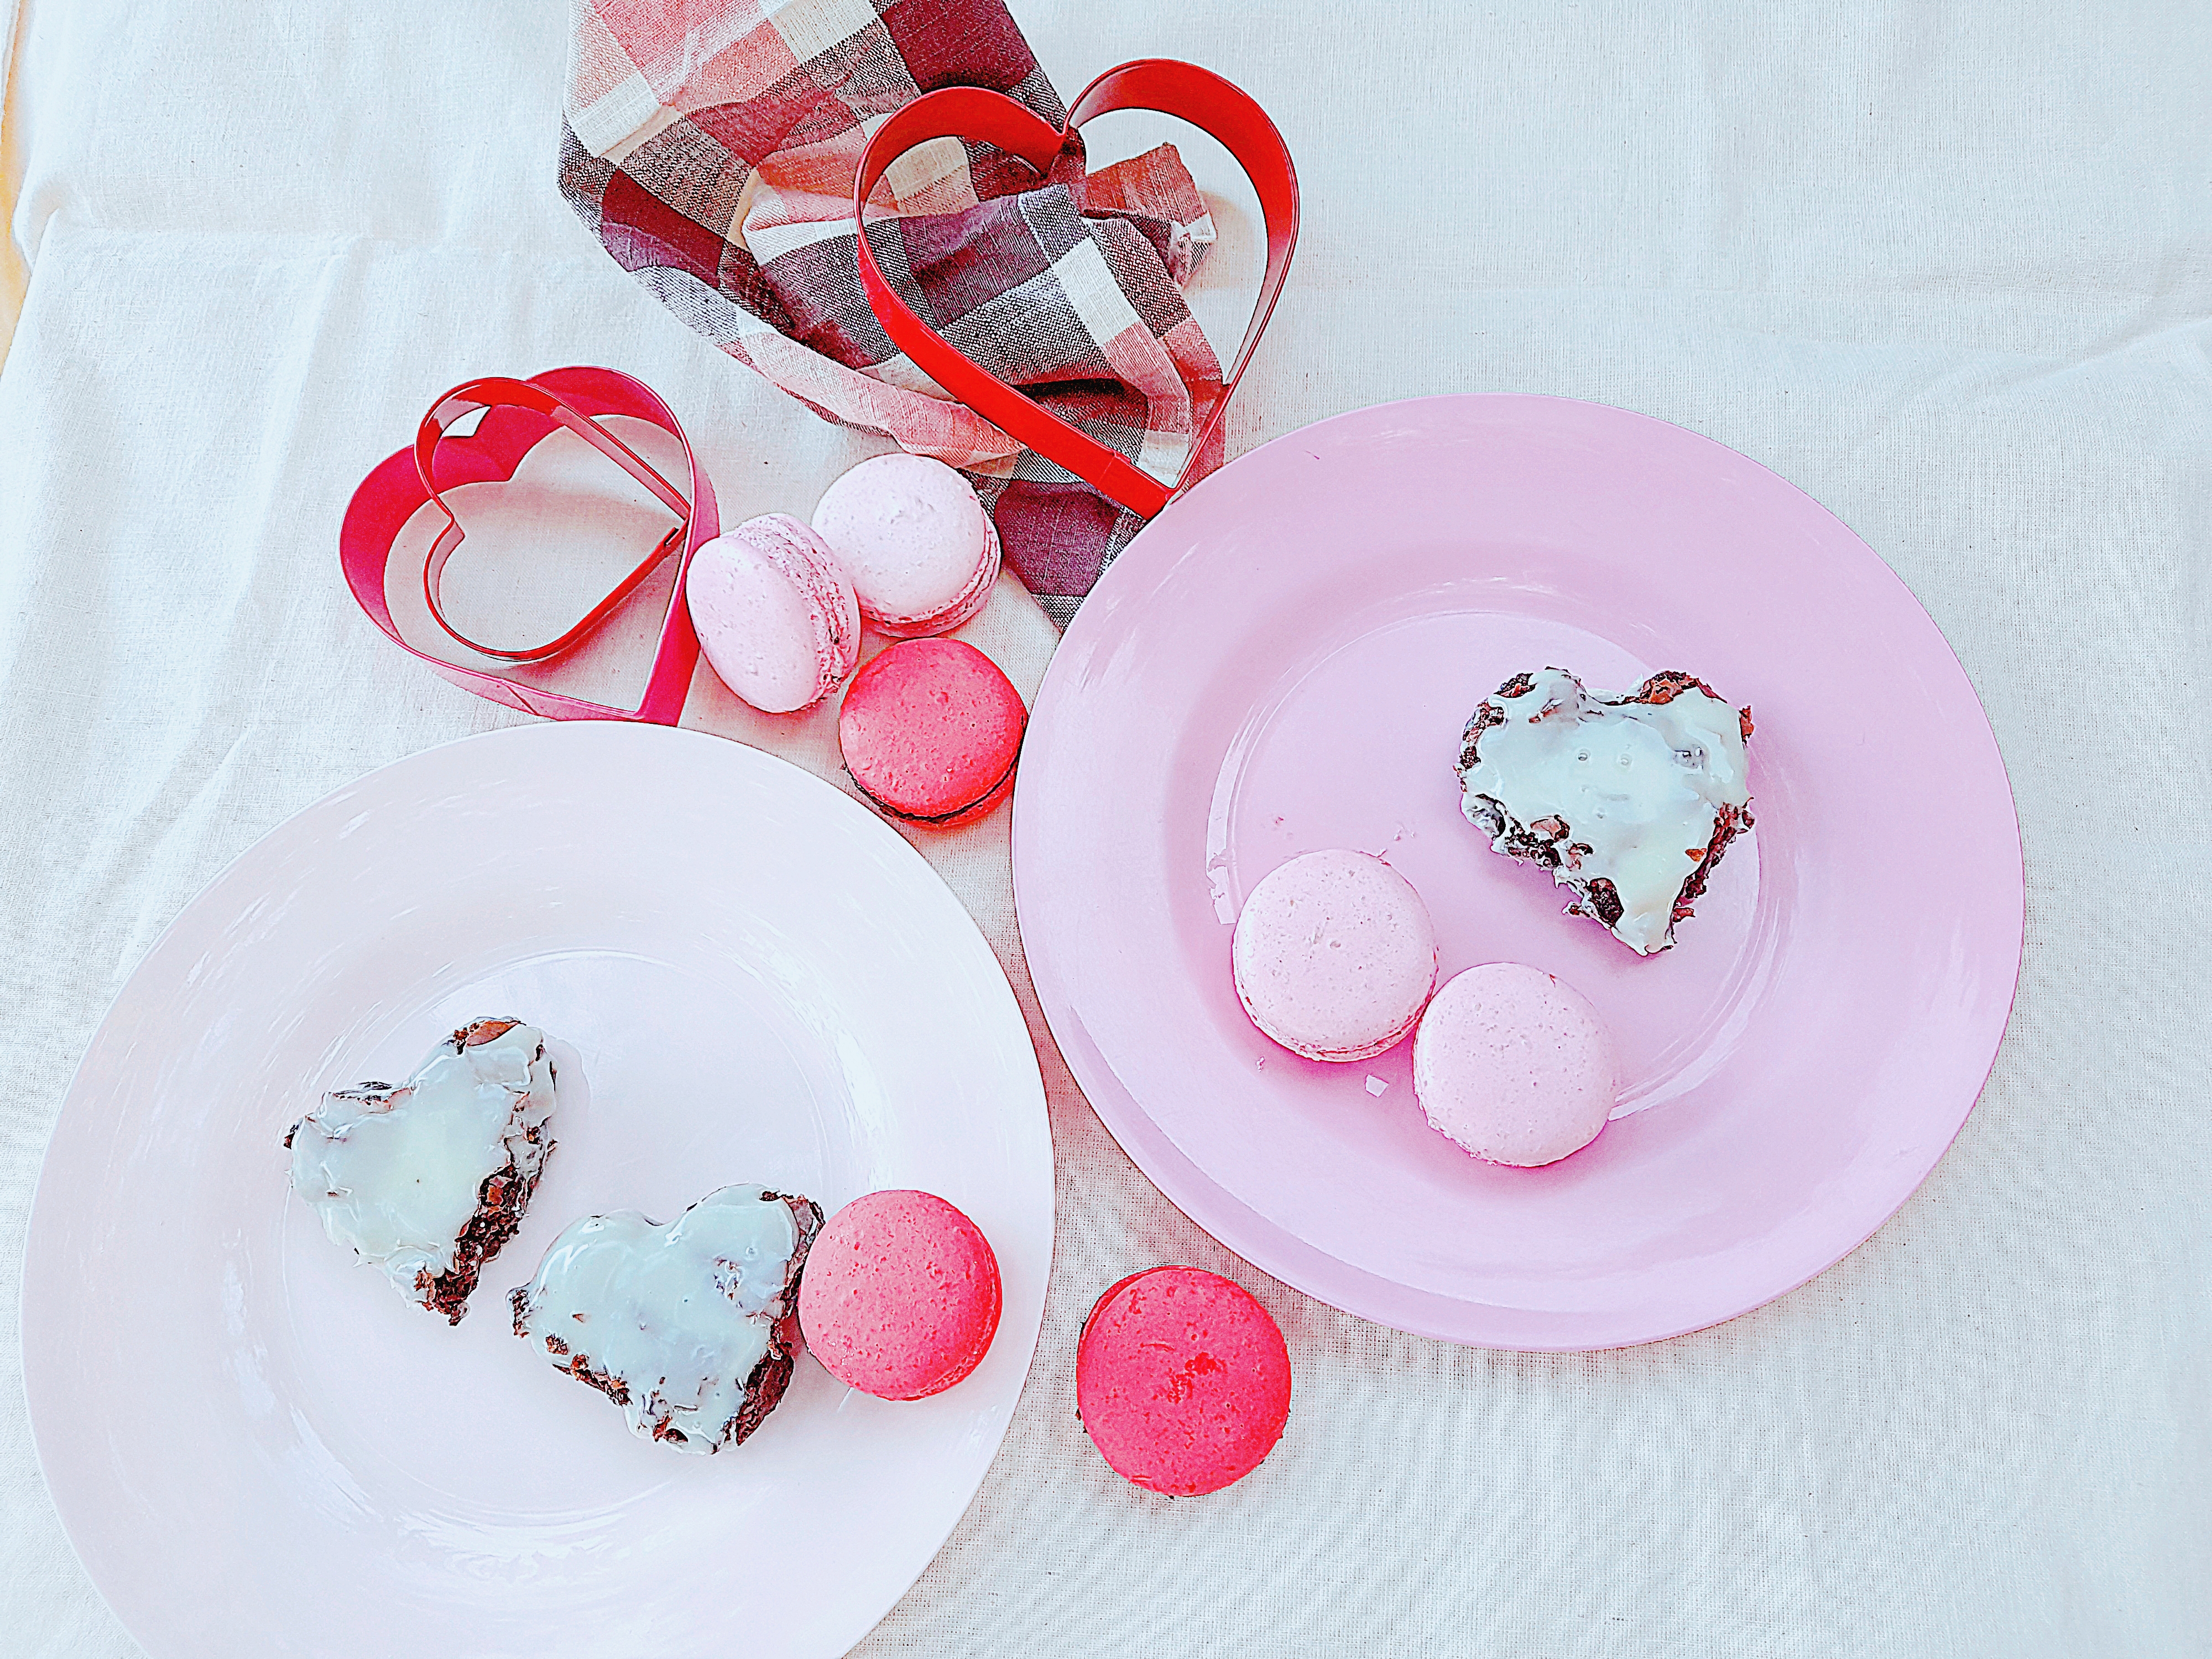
(1284, 661)
(258, 1448)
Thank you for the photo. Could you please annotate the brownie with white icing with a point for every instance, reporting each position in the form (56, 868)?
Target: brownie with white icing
(1629, 800)
(690, 1326)
(426, 1181)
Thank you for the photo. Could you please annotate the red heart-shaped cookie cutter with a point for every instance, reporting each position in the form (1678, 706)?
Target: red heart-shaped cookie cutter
(1161, 84)
(518, 415)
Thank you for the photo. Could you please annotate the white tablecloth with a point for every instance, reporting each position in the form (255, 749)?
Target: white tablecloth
(1948, 268)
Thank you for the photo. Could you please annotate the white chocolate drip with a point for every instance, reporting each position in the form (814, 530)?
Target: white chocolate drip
(395, 1173)
(678, 1313)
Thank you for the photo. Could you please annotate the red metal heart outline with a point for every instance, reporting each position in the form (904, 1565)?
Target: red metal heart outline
(1161, 84)
(518, 415)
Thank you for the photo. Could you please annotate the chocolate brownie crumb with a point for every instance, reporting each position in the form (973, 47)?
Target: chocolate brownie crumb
(1487, 715)
(1605, 900)
(772, 1376)
(1730, 822)
(482, 1030)
(583, 1371)
(500, 1203)
(1664, 687)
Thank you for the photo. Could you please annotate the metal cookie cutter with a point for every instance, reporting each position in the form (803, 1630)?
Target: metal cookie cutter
(518, 415)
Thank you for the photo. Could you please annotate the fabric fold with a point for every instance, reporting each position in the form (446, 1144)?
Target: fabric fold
(712, 149)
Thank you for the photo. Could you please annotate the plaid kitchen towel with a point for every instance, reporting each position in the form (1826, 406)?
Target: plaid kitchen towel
(711, 146)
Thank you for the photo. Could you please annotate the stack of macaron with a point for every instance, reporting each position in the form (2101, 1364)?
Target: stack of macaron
(1334, 958)
(930, 728)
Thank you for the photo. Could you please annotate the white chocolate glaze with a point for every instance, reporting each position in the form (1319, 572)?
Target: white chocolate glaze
(395, 1174)
(678, 1314)
(1600, 787)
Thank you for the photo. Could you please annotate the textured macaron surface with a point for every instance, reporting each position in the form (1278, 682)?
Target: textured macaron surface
(774, 613)
(914, 538)
(931, 728)
(1334, 954)
(901, 1296)
(1514, 1065)
(1183, 1381)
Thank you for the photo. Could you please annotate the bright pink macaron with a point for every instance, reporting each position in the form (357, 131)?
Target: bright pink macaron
(921, 550)
(1334, 954)
(1514, 1065)
(900, 1297)
(1183, 1381)
(775, 613)
(931, 730)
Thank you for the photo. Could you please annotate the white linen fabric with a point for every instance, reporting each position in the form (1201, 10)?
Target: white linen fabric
(1947, 268)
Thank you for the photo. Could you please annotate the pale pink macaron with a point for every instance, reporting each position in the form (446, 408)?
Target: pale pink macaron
(921, 551)
(775, 613)
(1183, 1381)
(1513, 1065)
(1334, 954)
(900, 1297)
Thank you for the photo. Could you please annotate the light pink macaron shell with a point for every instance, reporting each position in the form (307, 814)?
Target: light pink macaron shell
(1514, 1065)
(775, 613)
(912, 533)
(1334, 954)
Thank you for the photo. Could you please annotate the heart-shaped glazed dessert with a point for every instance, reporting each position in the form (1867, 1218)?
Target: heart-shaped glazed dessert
(1161, 84)
(690, 1326)
(1629, 798)
(518, 415)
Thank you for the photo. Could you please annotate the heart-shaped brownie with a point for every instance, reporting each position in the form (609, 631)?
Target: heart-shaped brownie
(689, 1326)
(1629, 800)
(425, 1181)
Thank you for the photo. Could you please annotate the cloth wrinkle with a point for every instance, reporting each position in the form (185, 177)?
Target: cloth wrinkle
(734, 169)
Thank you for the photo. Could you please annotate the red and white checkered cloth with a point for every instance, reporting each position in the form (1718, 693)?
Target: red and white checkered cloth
(711, 146)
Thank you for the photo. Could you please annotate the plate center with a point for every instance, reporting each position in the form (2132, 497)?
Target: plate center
(1355, 746)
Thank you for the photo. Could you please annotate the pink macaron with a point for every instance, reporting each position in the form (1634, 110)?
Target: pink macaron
(775, 613)
(921, 550)
(931, 730)
(1334, 954)
(900, 1298)
(1183, 1381)
(1516, 1067)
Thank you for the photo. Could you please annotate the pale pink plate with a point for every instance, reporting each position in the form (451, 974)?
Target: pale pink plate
(258, 1448)
(1284, 661)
